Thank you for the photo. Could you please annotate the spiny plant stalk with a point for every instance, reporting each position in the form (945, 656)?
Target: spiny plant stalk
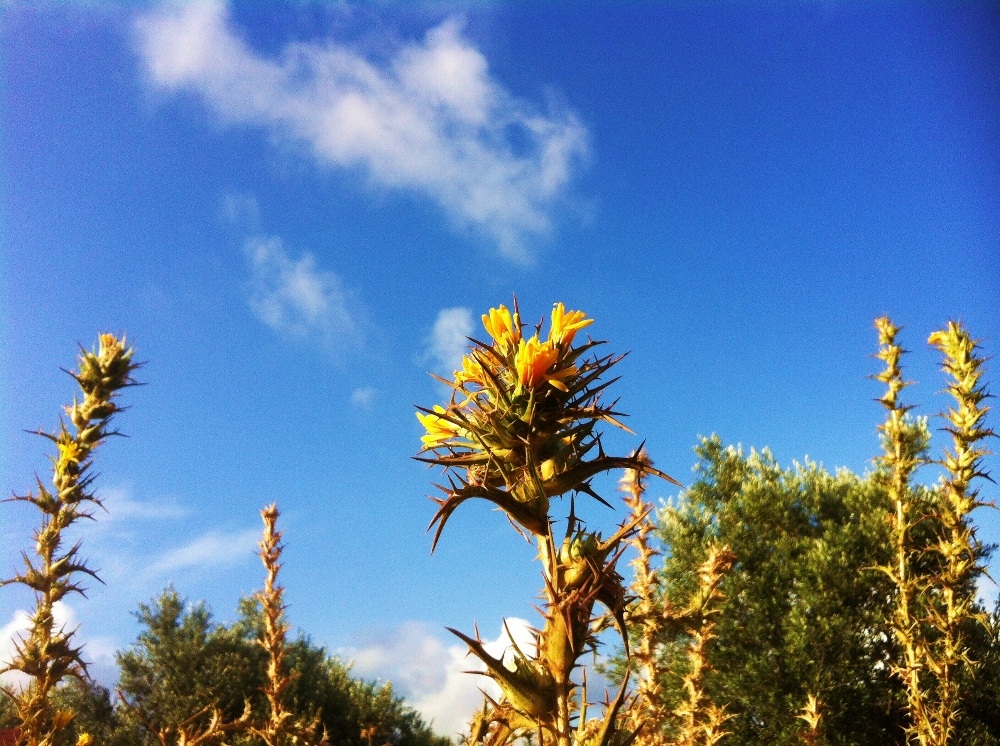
(281, 728)
(191, 732)
(520, 430)
(647, 614)
(902, 448)
(812, 717)
(47, 654)
(951, 600)
(702, 720)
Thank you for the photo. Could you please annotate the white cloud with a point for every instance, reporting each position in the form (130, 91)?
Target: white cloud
(241, 210)
(448, 341)
(363, 397)
(119, 506)
(211, 549)
(432, 675)
(296, 298)
(10, 633)
(431, 120)
(16, 629)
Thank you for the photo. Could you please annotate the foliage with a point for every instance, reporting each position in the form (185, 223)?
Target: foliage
(792, 605)
(183, 661)
(800, 616)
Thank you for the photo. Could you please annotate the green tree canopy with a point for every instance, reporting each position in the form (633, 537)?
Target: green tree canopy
(804, 612)
(183, 661)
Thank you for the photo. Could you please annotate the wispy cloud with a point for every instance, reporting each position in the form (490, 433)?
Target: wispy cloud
(448, 340)
(296, 298)
(240, 209)
(120, 506)
(432, 674)
(430, 120)
(363, 397)
(211, 549)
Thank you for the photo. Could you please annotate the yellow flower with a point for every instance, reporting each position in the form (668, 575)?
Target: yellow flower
(533, 361)
(566, 325)
(506, 331)
(472, 372)
(69, 451)
(439, 430)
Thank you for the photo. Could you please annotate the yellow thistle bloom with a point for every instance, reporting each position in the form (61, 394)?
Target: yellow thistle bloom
(69, 451)
(472, 372)
(439, 430)
(533, 361)
(506, 331)
(566, 325)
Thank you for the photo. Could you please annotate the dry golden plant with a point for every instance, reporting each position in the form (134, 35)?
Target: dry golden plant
(647, 615)
(194, 731)
(47, 654)
(903, 445)
(519, 431)
(812, 717)
(282, 728)
(650, 616)
(701, 721)
(951, 594)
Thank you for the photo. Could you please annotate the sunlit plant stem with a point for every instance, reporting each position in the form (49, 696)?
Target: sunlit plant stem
(950, 602)
(47, 654)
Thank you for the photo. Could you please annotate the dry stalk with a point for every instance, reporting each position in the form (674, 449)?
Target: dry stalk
(951, 595)
(647, 615)
(902, 449)
(191, 732)
(812, 717)
(47, 654)
(281, 728)
(701, 720)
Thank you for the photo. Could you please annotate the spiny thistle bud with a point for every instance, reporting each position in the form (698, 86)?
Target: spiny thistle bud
(521, 421)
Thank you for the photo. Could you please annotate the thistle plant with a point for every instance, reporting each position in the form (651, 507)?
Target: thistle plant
(950, 601)
(281, 728)
(651, 618)
(47, 655)
(903, 445)
(647, 616)
(935, 591)
(701, 719)
(195, 730)
(520, 430)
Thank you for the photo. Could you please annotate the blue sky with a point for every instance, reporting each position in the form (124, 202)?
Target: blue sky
(296, 211)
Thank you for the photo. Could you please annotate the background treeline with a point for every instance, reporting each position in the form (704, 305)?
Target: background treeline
(183, 660)
(804, 609)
